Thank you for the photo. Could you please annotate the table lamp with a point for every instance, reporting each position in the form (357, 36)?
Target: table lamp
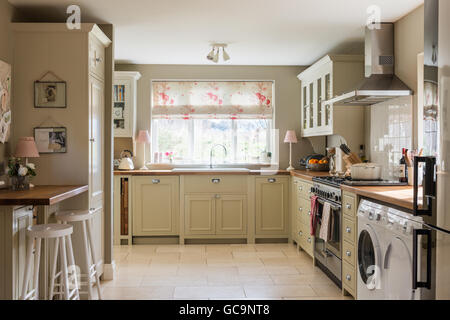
(290, 138)
(26, 148)
(143, 137)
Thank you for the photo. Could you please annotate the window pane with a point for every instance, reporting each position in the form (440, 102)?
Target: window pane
(252, 140)
(171, 136)
(208, 133)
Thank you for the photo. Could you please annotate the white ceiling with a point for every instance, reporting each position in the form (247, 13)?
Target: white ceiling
(258, 32)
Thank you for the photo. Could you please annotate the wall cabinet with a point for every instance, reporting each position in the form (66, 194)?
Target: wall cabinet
(155, 206)
(331, 76)
(124, 103)
(271, 205)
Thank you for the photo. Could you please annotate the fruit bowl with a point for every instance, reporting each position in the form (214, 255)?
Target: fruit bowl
(318, 166)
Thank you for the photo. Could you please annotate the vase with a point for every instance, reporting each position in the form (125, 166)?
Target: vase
(20, 183)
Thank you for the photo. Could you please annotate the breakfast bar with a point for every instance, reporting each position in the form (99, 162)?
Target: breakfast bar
(18, 211)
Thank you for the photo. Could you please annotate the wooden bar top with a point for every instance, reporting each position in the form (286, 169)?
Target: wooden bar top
(40, 195)
(401, 196)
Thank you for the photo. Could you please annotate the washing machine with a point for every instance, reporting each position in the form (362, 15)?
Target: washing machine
(372, 219)
(398, 260)
(385, 247)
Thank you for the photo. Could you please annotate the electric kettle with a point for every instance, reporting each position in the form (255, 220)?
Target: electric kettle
(126, 163)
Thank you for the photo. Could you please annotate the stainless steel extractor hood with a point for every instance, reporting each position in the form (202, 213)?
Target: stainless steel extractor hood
(381, 84)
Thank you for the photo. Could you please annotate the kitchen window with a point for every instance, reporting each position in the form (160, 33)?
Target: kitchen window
(189, 117)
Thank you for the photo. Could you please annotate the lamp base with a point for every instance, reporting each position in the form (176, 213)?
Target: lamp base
(144, 167)
(290, 168)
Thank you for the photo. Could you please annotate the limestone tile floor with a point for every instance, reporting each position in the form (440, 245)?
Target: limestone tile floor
(250, 271)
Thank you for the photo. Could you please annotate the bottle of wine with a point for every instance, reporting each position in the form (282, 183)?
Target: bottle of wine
(403, 173)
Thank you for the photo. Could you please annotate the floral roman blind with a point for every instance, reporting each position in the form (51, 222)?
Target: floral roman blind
(212, 100)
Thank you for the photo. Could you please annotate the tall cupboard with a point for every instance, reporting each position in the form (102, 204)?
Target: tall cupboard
(76, 57)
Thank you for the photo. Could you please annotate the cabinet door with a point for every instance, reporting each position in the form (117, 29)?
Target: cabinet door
(22, 219)
(98, 228)
(122, 113)
(272, 196)
(96, 110)
(200, 217)
(231, 214)
(155, 206)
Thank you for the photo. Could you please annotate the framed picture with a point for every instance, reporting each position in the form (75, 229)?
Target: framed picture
(51, 139)
(50, 94)
(5, 101)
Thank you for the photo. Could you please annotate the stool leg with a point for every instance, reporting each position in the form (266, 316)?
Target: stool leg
(87, 265)
(53, 269)
(72, 264)
(26, 278)
(65, 274)
(37, 259)
(94, 258)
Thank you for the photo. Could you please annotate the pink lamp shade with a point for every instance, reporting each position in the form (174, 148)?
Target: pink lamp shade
(290, 137)
(143, 136)
(26, 148)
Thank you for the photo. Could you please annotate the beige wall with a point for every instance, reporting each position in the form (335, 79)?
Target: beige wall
(287, 94)
(34, 55)
(6, 54)
(409, 37)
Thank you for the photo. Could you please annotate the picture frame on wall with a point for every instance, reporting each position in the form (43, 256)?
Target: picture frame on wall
(51, 139)
(50, 94)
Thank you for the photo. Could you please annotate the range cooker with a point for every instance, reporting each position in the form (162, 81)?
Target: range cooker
(328, 253)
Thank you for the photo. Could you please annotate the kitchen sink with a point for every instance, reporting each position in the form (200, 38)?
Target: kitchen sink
(211, 169)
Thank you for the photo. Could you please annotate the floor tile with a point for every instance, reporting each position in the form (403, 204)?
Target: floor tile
(140, 293)
(206, 292)
(278, 291)
(326, 290)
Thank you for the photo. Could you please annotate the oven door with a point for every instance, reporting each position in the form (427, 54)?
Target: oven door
(334, 244)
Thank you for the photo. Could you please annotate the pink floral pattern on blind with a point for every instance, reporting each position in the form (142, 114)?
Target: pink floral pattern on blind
(212, 100)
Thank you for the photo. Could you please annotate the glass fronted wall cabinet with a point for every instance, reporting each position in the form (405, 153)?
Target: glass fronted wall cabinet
(329, 77)
(124, 100)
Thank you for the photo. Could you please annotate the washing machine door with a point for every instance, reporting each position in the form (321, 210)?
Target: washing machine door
(398, 270)
(369, 258)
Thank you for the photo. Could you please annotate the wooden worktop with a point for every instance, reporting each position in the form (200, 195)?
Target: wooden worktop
(209, 172)
(40, 195)
(401, 196)
(308, 175)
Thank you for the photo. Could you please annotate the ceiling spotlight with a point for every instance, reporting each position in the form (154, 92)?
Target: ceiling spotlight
(210, 55)
(225, 55)
(213, 55)
(216, 56)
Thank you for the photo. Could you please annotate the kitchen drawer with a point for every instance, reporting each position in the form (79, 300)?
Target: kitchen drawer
(349, 278)
(304, 189)
(304, 211)
(349, 253)
(349, 205)
(215, 184)
(349, 230)
(96, 58)
(306, 240)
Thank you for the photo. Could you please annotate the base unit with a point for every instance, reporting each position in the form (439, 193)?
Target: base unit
(155, 206)
(14, 222)
(215, 215)
(271, 206)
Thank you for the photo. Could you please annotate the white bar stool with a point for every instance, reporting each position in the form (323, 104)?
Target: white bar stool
(60, 233)
(85, 217)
